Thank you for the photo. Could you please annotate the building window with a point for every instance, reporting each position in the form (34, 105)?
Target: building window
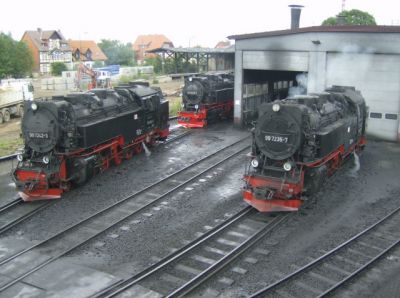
(375, 115)
(391, 116)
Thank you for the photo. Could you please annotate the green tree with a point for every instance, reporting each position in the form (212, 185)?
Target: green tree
(57, 68)
(117, 52)
(351, 17)
(156, 62)
(15, 58)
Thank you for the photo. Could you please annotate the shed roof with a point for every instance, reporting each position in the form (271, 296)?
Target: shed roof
(230, 49)
(349, 29)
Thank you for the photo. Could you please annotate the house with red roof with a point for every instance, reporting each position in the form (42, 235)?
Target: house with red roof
(144, 43)
(86, 51)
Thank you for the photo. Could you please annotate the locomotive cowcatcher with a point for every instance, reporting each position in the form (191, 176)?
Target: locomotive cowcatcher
(298, 142)
(205, 98)
(68, 139)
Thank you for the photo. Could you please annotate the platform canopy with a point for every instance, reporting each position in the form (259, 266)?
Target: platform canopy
(200, 55)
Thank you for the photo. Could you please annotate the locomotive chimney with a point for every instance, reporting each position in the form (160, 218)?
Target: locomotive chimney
(340, 20)
(295, 11)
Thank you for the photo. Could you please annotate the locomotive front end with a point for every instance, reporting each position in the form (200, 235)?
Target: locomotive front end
(206, 98)
(193, 112)
(274, 180)
(38, 168)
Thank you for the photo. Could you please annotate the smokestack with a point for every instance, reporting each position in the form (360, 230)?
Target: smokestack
(340, 20)
(39, 30)
(295, 13)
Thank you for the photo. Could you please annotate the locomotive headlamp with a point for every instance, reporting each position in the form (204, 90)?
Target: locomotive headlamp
(190, 79)
(254, 163)
(287, 166)
(276, 107)
(182, 105)
(20, 157)
(34, 106)
(46, 159)
(196, 107)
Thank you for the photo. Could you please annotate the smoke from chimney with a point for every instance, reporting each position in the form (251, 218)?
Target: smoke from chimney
(295, 16)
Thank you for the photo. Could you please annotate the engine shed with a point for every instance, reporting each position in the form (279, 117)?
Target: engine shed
(271, 65)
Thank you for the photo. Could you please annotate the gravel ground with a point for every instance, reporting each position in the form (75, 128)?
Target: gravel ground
(130, 248)
(349, 203)
(119, 182)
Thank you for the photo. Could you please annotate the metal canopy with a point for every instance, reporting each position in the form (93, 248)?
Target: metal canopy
(200, 55)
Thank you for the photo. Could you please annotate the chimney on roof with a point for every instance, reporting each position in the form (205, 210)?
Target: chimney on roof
(295, 11)
(340, 20)
(39, 30)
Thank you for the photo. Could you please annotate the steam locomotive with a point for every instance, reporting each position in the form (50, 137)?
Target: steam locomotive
(69, 139)
(298, 142)
(205, 98)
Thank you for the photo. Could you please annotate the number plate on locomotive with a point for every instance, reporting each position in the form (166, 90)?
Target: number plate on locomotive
(276, 139)
(38, 135)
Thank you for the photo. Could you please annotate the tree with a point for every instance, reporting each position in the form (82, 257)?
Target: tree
(117, 52)
(155, 62)
(15, 58)
(57, 68)
(351, 17)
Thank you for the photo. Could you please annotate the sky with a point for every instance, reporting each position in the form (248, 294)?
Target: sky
(185, 22)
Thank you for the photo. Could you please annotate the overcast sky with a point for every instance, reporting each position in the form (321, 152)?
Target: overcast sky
(185, 22)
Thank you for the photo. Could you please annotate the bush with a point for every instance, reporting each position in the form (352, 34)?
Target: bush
(57, 68)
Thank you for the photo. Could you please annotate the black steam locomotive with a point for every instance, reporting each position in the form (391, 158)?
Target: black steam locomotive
(298, 142)
(205, 98)
(68, 139)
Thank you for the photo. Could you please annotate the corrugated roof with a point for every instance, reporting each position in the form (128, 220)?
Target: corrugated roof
(230, 49)
(38, 37)
(349, 29)
(151, 41)
(84, 45)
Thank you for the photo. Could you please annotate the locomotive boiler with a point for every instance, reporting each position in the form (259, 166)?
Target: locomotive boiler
(298, 142)
(206, 98)
(68, 139)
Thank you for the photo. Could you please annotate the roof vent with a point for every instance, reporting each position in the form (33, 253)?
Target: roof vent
(295, 15)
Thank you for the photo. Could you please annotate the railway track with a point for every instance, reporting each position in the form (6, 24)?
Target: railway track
(328, 273)
(189, 267)
(31, 259)
(17, 211)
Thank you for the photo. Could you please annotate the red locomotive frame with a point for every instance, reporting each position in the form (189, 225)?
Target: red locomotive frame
(282, 189)
(198, 119)
(41, 186)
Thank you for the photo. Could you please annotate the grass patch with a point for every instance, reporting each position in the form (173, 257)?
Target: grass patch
(174, 105)
(9, 146)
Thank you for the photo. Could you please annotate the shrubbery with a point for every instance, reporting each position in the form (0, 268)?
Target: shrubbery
(57, 68)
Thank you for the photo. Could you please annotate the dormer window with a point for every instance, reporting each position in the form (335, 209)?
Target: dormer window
(89, 54)
(77, 54)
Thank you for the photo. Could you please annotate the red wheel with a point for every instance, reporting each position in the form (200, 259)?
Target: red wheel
(128, 153)
(138, 148)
